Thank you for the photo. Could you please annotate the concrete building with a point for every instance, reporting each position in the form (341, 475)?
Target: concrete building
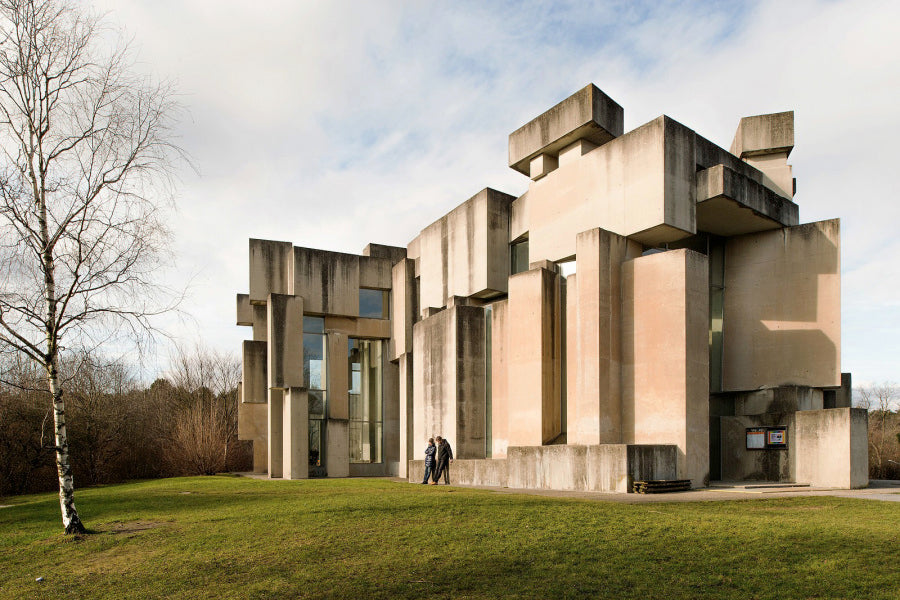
(651, 308)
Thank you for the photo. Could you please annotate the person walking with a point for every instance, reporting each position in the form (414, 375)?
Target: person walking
(430, 451)
(444, 458)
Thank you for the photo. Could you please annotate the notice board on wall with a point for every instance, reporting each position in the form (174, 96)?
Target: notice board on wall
(767, 438)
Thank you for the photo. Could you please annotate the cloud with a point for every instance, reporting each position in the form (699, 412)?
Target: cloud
(335, 124)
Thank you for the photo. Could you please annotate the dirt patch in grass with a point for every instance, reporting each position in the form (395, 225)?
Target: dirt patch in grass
(129, 528)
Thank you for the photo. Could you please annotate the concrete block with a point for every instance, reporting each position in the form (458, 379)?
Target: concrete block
(500, 402)
(764, 134)
(832, 447)
(270, 269)
(741, 464)
(404, 307)
(285, 341)
(587, 114)
(393, 253)
(666, 357)
(574, 151)
(375, 272)
(783, 291)
(449, 380)
(295, 437)
(729, 203)
(407, 416)
(254, 372)
(542, 164)
(244, 310)
(337, 375)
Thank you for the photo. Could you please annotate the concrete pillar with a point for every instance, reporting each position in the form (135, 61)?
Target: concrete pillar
(285, 340)
(295, 440)
(500, 379)
(595, 407)
(534, 357)
(666, 357)
(390, 417)
(337, 447)
(403, 307)
(270, 269)
(276, 432)
(407, 441)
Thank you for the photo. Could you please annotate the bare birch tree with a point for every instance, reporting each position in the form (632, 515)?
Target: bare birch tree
(86, 148)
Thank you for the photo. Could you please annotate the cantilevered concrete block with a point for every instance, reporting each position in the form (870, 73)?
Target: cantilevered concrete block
(285, 341)
(542, 164)
(665, 383)
(764, 134)
(587, 114)
(466, 253)
(595, 401)
(254, 372)
(244, 310)
(729, 204)
(783, 307)
(295, 440)
(270, 269)
(535, 353)
(394, 253)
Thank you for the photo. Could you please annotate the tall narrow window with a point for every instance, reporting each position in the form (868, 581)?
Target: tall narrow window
(518, 257)
(366, 405)
(315, 378)
(716, 312)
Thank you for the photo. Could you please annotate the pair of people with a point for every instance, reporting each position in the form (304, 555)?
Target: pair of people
(437, 461)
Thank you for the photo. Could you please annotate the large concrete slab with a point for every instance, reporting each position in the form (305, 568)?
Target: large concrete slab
(588, 114)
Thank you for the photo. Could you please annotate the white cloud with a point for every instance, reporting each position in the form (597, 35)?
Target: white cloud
(335, 124)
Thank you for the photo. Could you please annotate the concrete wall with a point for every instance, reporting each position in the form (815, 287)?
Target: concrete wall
(254, 372)
(832, 447)
(599, 468)
(404, 308)
(295, 434)
(328, 281)
(270, 269)
(407, 440)
(594, 412)
(665, 385)
(449, 380)
(535, 354)
(740, 464)
(285, 341)
(783, 308)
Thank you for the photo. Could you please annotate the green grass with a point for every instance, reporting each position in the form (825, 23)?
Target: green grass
(226, 537)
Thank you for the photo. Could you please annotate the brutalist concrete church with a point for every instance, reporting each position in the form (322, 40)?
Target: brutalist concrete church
(651, 308)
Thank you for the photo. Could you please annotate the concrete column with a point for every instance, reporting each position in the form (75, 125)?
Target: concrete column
(337, 447)
(499, 379)
(666, 357)
(276, 432)
(337, 384)
(270, 269)
(295, 441)
(390, 412)
(535, 357)
(407, 441)
(595, 407)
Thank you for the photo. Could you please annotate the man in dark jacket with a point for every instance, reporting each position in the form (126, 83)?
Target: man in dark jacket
(444, 458)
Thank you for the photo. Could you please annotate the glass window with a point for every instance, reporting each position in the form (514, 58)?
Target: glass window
(314, 361)
(313, 324)
(365, 400)
(566, 267)
(374, 304)
(518, 257)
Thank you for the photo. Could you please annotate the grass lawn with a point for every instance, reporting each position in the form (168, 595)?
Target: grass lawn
(227, 537)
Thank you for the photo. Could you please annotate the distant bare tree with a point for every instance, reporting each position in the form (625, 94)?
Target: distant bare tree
(206, 420)
(881, 401)
(85, 146)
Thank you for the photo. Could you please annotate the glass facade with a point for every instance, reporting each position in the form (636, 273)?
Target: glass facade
(364, 362)
(315, 378)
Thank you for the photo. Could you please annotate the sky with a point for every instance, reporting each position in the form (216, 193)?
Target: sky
(335, 124)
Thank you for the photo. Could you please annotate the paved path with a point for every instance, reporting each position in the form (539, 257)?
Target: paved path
(888, 491)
